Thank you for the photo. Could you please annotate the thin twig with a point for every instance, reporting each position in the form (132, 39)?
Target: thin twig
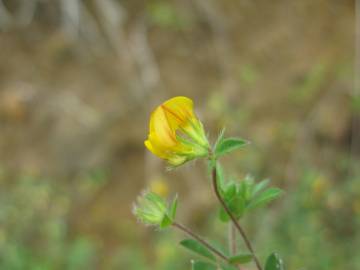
(355, 130)
(232, 239)
(201, 240)
(233, 218)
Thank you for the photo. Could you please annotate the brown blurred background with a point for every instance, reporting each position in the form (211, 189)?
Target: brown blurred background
(79, 78)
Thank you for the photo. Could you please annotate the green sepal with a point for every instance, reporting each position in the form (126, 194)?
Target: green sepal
(152, 209)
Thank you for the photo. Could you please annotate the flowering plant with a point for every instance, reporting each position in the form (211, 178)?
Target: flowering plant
(177, 136)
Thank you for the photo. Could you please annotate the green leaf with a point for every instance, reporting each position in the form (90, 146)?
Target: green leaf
(241, 259)
(228, 145)
(260, 186)
(228, 267)
(198, 248)
(156, 200)
(230, 191)
(264, 198)
(220, 138)
(245, 188)
(274, 262)
(200, 265)
(173, 208)
(166, 222)
(223, 216)
(237, 206)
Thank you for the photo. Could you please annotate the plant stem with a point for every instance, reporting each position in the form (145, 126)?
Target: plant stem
(232, 239)
(233, 218)
(201, 240)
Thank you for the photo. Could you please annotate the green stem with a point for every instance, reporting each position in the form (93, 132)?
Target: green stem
(201, 240)
(233, 218)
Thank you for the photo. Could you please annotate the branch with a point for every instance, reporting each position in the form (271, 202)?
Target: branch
(201, 240)
(233, 218)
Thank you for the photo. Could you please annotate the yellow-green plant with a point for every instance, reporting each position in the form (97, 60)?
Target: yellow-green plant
(177, 136)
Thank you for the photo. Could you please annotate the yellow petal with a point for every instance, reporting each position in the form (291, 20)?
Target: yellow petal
(160, 128)
(155, 150)
(178, 111)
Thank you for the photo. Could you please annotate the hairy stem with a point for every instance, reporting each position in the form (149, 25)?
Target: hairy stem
(201, 240)
(233, 218)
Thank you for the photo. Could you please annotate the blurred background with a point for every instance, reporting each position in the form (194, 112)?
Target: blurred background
(79, 78)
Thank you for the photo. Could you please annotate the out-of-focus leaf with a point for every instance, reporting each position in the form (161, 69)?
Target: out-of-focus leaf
(230, 191)
(200, 265)
(228, 145)
(198, 248)
(241, 259)
(245, 188)
(166, 222)
(311, 84)
(163, 14)
(248, 75)
(223, 216)
(260, 186)
(220, 138)
(274, 262)
(236, 206)
(173, 208)
(264, 198)
(355, 104)
(228, 267)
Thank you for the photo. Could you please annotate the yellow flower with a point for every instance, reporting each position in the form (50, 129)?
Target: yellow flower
(176, 134)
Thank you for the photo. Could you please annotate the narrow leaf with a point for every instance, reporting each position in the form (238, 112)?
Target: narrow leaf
(260, 186)
(241, 259)
(274, 262)
(264, 198)
(200, 265)
(228, 145)
(198, 248)
(173, 208)
(220, 138)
